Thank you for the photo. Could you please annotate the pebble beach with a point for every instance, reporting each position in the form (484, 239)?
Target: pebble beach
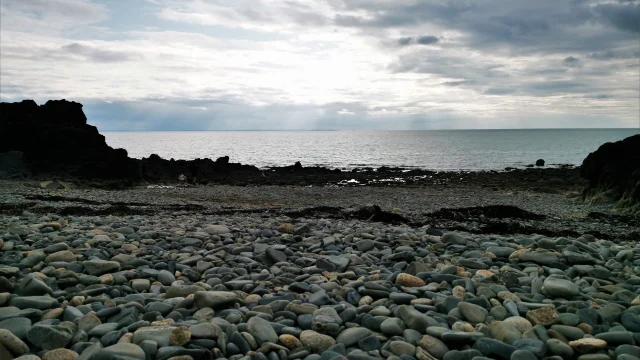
(248, 278)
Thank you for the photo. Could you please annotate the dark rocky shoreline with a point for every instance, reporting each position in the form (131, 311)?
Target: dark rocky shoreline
(54, 141)
(463, 206)
(67, 148)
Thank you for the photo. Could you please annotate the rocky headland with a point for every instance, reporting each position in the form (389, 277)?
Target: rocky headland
(295, 263)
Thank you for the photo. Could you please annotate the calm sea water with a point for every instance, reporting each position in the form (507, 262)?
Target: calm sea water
(435, 150)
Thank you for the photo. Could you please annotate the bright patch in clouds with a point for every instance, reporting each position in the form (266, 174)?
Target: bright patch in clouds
(306, 64)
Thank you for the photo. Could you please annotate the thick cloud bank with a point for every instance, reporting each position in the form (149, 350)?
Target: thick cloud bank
(343, 64)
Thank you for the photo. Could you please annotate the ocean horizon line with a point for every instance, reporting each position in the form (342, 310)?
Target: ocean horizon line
(369, 130)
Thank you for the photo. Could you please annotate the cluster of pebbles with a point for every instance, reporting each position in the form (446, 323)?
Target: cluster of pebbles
(274, 288)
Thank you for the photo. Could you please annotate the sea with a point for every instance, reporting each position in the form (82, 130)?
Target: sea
(440, 150)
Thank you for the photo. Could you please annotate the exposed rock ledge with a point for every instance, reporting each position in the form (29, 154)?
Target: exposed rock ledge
(613, 172)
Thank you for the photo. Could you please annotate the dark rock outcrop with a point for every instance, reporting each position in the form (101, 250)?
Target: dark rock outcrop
(12, 165)
(55, 139)
(613, 172)
(156, 169)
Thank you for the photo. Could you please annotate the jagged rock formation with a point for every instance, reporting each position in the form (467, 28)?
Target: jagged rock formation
(155, 169)
(55, 139)
(613, 172)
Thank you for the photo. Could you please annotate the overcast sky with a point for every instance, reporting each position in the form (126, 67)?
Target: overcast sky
(327, 64)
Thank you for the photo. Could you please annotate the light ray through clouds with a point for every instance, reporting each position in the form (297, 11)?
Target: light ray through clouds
(307, 64)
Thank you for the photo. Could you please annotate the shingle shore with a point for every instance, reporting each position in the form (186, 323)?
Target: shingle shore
(272, 287)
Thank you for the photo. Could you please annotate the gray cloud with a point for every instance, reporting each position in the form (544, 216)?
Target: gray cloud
(233, 113)
(555, 87)
(254, 14)
(625, 17)
(305, 16)
(349, 21)
(449, 66)
(548, 71)
(459, 83)
(615, 54)
(63, 8)
(389, 14)
(50, 16)
(541, 88)
(427, 40)
(500, 91)
(500, 79)
(603, 55)
(95, 54)
(544, 26)
(178, 114)
(69, 52)
(571, 61)
(501, 59)
(419, 40)
(599, 96)
(545, 30)
(404, 41)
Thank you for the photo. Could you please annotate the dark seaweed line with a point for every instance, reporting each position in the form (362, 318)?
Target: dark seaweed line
(443, 218)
